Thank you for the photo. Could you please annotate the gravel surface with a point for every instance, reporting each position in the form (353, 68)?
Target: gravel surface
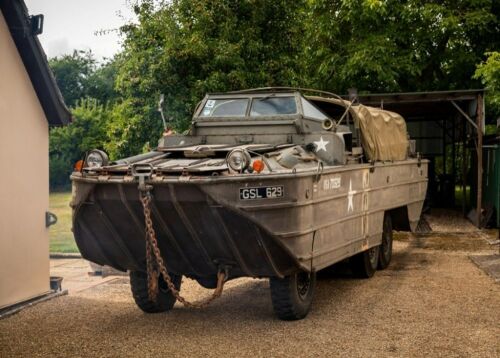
(429, 302)
(445, 220)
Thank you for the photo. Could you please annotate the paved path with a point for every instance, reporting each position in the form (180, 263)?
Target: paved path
(75, 273)
(431, 301)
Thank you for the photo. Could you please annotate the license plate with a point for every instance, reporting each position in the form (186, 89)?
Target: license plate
(262, 192)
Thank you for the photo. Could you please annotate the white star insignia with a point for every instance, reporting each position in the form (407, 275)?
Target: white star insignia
(321, 144)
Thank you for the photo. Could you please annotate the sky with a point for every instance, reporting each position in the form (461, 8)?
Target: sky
(71, 24)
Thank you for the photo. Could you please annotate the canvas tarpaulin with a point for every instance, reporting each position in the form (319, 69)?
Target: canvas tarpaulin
(383, 133)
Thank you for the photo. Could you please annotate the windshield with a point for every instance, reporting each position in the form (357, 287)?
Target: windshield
(261, 106)
(225, 108)
(311, 111)
(270, 106)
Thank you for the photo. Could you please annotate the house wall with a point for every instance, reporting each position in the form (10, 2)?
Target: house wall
(24, 186)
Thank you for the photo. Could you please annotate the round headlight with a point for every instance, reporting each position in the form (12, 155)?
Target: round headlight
(238, 160)
(96, 158)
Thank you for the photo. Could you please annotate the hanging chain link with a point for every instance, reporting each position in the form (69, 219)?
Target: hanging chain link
(156, 265)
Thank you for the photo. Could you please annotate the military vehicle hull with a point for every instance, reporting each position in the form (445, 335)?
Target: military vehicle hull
(320, 217)
(266, 183)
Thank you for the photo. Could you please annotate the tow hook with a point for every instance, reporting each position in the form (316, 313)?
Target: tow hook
(225, 270)
(142, 172)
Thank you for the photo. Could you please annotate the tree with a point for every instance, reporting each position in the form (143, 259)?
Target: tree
(395, 45)
(69, 144)
(72, 73)
(489, 73)
(186, 48)
(79, 76)
(100, 83)
(88, 88)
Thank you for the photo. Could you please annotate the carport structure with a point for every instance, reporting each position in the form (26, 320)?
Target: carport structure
(447, 125)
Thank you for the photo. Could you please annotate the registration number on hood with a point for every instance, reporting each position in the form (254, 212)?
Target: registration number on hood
(262, 192)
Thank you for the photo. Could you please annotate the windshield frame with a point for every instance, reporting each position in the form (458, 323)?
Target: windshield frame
(270, 98)
(250, 96)
(247, 104)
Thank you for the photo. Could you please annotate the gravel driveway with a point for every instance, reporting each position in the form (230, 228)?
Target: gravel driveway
(429, 302)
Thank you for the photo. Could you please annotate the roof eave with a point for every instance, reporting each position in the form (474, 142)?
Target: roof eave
(35, 62)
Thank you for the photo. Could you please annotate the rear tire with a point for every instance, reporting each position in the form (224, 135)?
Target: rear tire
(364, 264)
(385, 254)
(165, 300)
(292, 296)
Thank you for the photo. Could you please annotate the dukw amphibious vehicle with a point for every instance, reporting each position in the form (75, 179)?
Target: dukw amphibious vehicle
(274, 183)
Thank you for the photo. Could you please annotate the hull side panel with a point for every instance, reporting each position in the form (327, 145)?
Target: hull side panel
(319, 221)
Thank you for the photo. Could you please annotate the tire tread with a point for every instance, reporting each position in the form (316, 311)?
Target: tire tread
(282, 303)
(286, 303)
(139, 288)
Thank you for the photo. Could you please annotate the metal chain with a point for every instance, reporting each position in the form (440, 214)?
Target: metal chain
(155, 263)
(153, 274)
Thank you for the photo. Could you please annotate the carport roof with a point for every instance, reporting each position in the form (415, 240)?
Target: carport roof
(35, 61)
(424, 105)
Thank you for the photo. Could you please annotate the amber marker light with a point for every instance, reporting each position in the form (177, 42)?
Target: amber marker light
(78, 166)
(258, 165)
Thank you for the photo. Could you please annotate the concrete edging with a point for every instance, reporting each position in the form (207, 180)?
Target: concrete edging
(489, 264)
(9, 311)
(64, 255)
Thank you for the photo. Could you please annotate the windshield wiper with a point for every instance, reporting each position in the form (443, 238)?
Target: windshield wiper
(267, 97)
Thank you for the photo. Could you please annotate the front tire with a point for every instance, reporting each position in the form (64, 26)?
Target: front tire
(292, 296)
(165, 300)
(385, 255)
(364, 264)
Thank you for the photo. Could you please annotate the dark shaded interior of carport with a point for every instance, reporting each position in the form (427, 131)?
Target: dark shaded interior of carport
(448, 129)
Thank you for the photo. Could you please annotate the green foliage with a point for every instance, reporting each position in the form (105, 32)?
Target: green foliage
(398, 45)
(68, 144)
(60, 235)
(85, 85)
(71, 73)
(128, 132)
(79, 76)
(101, 82)
(489, 73)
(187, 48)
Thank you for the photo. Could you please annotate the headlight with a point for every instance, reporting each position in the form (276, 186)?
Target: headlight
(238, 160)
(96, 158)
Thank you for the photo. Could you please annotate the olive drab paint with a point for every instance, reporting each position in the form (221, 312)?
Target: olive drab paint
(320, 198)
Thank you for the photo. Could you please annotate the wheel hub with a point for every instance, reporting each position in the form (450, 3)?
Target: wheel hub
(373, 253)
(303, 284)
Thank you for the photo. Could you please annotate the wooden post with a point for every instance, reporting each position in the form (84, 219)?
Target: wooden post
(479, 121)
(464, 168)
(445, 128)
(453, 155)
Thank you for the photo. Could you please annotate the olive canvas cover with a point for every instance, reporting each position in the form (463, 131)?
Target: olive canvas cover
(383, 133)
